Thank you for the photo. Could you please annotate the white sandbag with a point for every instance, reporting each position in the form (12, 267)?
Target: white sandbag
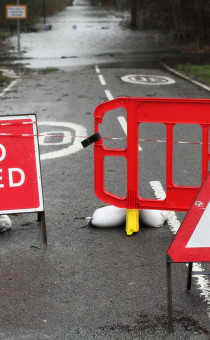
(5, 223)
(109, 216)
(153, 218)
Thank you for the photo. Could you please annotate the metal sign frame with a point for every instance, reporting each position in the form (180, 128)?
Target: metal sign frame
(178, 251)
(20, 157)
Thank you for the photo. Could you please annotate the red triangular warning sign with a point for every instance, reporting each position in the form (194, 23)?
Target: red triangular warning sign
(192, 241)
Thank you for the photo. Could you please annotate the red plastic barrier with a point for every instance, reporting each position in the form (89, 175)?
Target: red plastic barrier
(146, 110)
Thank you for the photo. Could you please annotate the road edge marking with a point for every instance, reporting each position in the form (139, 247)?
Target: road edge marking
(13, 83)
(205, 87)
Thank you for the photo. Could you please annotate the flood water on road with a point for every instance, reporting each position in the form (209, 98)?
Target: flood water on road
(84, 35)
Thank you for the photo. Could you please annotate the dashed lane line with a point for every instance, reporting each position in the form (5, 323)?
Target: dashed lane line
(108, 94)
(102, 80)
(97, 69)
(123, 124)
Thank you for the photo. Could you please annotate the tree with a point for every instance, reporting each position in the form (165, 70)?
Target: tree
(134, 13)
(189, 20)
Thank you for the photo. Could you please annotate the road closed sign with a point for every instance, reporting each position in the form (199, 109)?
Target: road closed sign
(16, 12)
(20, 175)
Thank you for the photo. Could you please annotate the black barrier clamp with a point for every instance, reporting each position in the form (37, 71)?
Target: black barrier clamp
(92, 139)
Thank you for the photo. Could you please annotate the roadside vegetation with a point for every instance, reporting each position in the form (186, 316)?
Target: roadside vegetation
(49, 70)
(4, 34)
(35, 13)
(198, 72)
(4, 80)
(187, 21)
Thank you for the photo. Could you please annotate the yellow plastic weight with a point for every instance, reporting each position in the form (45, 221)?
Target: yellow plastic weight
(132, 221)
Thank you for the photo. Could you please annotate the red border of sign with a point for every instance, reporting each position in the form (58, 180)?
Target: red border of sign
(17, 18)
(177, 250)
(38, 166)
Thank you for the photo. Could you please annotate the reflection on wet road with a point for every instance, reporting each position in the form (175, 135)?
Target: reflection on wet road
(86, 35)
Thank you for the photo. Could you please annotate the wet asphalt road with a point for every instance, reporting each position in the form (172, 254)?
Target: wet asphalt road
(90, 283)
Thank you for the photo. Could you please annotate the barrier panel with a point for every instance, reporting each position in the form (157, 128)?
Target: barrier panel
(150, 110)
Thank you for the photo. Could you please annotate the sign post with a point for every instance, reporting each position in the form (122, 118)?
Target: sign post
(18, 29)
(192, 241)
(44, 12)
(17, 12)
(20, 173)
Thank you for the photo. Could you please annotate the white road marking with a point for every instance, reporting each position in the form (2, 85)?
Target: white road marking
(72, 148)
(67, 137)
(202, 282)
(123, 124)
(186, 77)
(108, 94)
(102, 80)
(147, 79)
(97, 69)
(13, 83)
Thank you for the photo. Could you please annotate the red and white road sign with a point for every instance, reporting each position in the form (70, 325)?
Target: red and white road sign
(192, 241)
(20, 175)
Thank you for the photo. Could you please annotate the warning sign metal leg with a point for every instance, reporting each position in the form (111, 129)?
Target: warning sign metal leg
(132, 221)
(41, 219)
(169, 292)
(189, 276)
(44, 230)
(39, 216)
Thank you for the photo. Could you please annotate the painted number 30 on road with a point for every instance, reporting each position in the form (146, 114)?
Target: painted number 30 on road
(63, 145)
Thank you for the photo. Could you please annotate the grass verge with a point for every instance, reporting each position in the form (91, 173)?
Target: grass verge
(49, 70)
(4, 80)
(4, 34)
(198, 72)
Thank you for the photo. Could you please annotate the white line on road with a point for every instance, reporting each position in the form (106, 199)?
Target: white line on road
(186, 77)
(13, 83)
(102, 80)
(108, 94)
(202, 282)
(97, 69)
(123, 124)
